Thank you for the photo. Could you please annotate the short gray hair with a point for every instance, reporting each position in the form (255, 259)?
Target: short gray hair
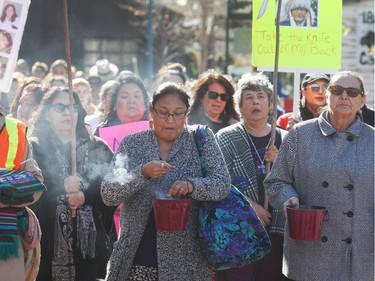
(253, 82)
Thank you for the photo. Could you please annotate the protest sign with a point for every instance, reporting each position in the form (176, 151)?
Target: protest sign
(365, 38)
(113, 135)
(12, 23)
(315, 45)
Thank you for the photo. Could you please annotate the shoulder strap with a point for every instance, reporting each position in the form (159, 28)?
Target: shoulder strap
(200, 140)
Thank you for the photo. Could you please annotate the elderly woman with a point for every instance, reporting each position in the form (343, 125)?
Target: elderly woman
(162, 161)
(129, 102)
(246, 150)
(329, 161)
(213, 102)
(73, 248)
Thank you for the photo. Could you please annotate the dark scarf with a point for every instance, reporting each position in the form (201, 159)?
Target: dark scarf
(63, 267)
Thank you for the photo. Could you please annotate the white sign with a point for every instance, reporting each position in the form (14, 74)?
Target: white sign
(365, 38)
(12, 23)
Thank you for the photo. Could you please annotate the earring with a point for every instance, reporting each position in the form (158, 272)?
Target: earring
(303, 101)
(151, 124)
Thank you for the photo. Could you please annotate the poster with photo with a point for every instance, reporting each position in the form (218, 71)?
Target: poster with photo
(12, 23)
(312, 41)
(299, 14)
(365, 43)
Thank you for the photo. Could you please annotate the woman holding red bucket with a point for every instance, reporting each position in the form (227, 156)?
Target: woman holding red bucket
(328, 161)
(162, 161)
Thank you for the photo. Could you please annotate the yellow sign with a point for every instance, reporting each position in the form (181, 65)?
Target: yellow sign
(310, 34)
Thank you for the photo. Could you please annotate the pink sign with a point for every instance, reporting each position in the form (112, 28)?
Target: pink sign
(114, 134)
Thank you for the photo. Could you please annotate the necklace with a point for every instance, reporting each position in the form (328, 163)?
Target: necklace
(262, 167)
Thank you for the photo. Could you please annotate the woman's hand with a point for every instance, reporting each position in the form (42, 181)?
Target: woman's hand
(72, 184)
(291, 122)
(181, 188)
(76, 200)
(263, 214)
(271, 153)
(292, 202)
(156, 169)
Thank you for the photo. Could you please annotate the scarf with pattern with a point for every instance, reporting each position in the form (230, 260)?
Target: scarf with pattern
(63, 266)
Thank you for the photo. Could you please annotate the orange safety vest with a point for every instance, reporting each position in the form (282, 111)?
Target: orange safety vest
(12, 144)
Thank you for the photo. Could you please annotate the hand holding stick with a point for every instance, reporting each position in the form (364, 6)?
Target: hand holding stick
(72, 112)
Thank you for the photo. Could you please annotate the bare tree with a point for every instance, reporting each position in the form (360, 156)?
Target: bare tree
(170, 34)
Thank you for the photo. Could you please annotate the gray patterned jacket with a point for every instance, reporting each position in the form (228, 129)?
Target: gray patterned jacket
(335, 170)
(179, 255)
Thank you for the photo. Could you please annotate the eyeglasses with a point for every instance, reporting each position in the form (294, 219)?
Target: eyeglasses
(316, 88)
(351, 92)
(176, 116)
(213, 96)
(60, 107)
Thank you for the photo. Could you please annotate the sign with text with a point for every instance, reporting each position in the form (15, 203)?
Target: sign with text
(310, 34)
(12, 23)
(113, 135)
(365, 38)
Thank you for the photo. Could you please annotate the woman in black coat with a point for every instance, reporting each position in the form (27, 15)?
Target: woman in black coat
(74, 246)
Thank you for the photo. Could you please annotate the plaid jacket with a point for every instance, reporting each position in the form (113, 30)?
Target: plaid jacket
(236, 149)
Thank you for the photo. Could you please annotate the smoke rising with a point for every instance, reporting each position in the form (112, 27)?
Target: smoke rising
(120, 170)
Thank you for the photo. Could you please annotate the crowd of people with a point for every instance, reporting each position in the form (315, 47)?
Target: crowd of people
(323, 155)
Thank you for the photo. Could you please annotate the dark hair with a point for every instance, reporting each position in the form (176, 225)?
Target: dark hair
(42, 125)
(14, 16)
(201, 88)
(168, 89)
(129, 79)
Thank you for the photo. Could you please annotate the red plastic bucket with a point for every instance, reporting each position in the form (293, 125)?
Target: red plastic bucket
(171, 214)
(305, 223)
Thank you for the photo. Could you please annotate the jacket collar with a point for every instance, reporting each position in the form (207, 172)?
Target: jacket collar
(327, 129)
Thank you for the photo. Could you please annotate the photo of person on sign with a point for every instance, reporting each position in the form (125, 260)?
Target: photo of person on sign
(9, 17)
(299, 13)
(6, 41)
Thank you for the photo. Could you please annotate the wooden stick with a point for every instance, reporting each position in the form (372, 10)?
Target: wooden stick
(71, 100)
(274, 97)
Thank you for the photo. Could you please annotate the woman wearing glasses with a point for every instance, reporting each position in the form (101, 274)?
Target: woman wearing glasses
(162, 162)
(329, 162)
(213, 102)
(312, 98)
(72, 248)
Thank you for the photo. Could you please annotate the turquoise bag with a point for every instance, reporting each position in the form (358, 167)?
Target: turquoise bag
(230, 231)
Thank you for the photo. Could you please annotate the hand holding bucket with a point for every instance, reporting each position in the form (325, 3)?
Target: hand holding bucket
(305, 222)
(171, 214)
